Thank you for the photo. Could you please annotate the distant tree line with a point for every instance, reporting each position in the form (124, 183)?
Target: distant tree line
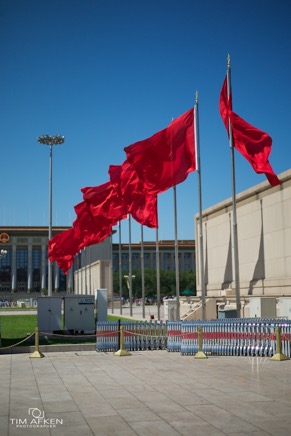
(187, 280)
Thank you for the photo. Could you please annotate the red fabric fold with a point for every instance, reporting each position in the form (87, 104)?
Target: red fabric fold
(254, 144)
(166, 158)
(141, 205)
(103, 200)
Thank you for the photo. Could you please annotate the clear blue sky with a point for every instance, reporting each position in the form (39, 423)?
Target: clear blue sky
(107, 73)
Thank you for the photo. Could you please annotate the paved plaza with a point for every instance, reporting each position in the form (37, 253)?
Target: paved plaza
(148, 393)
(150, 312)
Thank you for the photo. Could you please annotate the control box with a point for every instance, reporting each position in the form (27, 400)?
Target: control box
(79, 315)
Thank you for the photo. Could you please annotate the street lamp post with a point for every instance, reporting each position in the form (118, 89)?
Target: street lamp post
(50, 140)
(129, 279)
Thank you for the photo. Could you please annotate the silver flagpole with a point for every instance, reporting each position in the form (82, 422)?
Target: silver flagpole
(234, 219)
(158, 273)
(111, 275)
(129, 264)
(142, 272)
(198, 168)
(176, 255)
(120, 268)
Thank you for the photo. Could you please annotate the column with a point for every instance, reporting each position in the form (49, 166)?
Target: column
(29, 268)
(56, 277)
(70, 278)
(13, 268)
(43, 267)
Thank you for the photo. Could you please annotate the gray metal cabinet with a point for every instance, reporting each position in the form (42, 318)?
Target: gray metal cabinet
(49, 314)
(79, 313)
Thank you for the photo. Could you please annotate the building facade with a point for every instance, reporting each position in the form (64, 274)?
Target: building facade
(93, 269)
(186, 255)
(264, 242)
(23, 268)
(95, 265)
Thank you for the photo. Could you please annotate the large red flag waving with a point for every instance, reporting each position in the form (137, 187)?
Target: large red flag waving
(141, 205)
(63, 247)
(103, 200)
(254, 144)
(87, 230)
(94, 229)
(166, 158)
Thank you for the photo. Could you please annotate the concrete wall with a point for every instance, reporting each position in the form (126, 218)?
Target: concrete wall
(264, 242)
(93, 276)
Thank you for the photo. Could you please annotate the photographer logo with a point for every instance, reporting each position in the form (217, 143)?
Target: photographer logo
(36, 419)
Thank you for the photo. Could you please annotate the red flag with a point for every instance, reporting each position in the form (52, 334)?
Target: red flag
(254, 144)
(92, 229)
(103, 200)
(166, 158)
(65, 263)
(63, 247)
(87, 230)
(141, 205)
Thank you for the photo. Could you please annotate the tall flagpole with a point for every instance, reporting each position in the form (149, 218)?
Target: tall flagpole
(120, 268)
(176, 255)
(234, 218)
(142, 272)
(198, 168)
(111, 275)
(158, 273)
(129, 264)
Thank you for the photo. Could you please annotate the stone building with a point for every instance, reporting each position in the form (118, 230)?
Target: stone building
(23, 268)
(94, 265)
(264, 242)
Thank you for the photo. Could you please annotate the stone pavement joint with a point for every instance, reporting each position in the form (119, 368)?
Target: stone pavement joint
(148, 393)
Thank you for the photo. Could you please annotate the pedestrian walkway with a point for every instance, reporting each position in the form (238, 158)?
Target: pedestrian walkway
(151, 312)
(148, 393)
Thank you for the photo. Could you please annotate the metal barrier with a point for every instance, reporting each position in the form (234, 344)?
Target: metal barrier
(174, 335)
(220, 337)
(138, 336)
(241, 337)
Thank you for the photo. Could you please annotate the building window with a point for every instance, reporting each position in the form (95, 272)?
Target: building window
(36, 263)
(21, 265)
(62, 281)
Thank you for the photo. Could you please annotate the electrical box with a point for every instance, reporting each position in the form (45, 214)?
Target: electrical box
(79, 313)
(285, 307)
(170, 310)
(263, 307)
(101, 304)
(228, 313)
(49, 314)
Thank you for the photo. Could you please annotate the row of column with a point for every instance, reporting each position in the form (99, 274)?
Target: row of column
(167, 262)
(43, 270)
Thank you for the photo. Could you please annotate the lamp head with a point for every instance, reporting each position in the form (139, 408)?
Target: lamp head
(51, 140)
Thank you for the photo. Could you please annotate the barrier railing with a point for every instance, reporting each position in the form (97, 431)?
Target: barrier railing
(222, 337)
(229, 337)
(138, 336)
(174, 329)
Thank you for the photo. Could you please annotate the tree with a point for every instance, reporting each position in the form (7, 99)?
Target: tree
(187, 280)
